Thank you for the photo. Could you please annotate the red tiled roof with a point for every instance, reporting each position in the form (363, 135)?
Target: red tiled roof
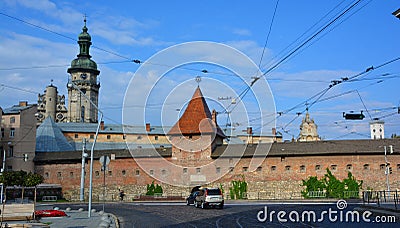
(196, 119)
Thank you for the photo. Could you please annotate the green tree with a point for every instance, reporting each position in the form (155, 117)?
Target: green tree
(312, 184)
(238, 189)
(158, 189)
(150, 189)
(334, 187)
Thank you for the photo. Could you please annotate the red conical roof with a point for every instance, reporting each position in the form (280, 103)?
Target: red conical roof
(196, 119)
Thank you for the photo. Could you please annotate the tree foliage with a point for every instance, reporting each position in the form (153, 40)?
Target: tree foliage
(21, 178)
(153, 189)
(333, 187)
(238, 189)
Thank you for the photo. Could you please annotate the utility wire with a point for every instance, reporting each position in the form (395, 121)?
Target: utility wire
(305, 32)
(268, 34)
(310, 38)
(20, 89)
(364, 105)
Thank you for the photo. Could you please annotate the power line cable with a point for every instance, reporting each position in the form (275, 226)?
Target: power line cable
(364, 105)
(305, 32)
(20, 89)
(310, 38)
(268, 34)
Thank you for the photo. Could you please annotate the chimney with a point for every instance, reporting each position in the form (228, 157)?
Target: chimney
(148, 129)
(102, 125)
(23, 103)
(214, 117)
(273, 131)
(249, 130)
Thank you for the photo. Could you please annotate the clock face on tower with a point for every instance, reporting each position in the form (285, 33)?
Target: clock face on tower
(83, 76)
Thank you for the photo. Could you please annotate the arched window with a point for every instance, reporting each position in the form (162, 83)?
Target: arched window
(83, 114)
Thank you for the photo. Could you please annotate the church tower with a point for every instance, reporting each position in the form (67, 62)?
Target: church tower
(83, 73)
(308, 130)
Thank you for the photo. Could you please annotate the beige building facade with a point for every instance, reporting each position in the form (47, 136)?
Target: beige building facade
(18, 136)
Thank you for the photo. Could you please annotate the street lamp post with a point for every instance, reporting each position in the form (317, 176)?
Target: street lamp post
(84, 156)
(388, 168)
(72, 85)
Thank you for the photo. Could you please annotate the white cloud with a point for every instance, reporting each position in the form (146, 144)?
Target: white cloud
(241, 32)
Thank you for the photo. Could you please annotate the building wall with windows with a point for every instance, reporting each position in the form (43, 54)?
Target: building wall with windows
(279, 175)
(18, 129)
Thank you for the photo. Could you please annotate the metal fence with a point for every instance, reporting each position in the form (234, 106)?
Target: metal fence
(382, 198)
(262, 195)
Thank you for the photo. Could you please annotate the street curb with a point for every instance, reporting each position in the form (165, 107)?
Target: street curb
(116, 220)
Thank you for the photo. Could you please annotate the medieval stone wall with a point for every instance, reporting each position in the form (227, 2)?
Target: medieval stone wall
(276, 177)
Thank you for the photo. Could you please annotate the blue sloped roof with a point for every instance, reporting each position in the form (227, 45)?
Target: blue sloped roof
(15, 109)
(117, 146)
(49, 138)
(111, 128)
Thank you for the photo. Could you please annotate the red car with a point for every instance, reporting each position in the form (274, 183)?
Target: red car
(50, 213)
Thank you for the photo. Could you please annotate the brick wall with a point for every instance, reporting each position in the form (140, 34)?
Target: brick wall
(278, 176)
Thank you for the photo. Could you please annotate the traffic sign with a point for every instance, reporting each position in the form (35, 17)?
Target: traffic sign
(104, 160)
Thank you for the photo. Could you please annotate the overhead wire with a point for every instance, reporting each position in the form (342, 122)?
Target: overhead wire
(305, 32)
(268, 34)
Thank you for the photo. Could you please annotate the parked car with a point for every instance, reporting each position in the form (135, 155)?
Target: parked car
(192, 196)
(50, 213)
(209, 197)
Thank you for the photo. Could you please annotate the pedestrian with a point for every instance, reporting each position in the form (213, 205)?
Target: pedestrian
(121, 194)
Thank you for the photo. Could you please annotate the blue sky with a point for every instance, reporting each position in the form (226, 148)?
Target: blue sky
(366, 36)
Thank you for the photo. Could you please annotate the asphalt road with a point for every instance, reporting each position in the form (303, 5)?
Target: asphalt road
(164, 214)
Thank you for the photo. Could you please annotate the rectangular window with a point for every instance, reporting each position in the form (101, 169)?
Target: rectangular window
(287, 168)
(71, 174)
(244, 169)
(333, 167)
(151, 172)
(218, 170)
(317, 167)
(198, 170)
(109, 173)
(156, 137)
(366, 166)
(12, 120)
(108, 136)
(184, 170)
(59, 175)
(124, 136)
(137, 172)
(91, 136)
(302, 168)
(12, 132)
(273, 168)
(76, 136)
(349, 167)
(11, 151)
(259, 169)
(2, 132)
